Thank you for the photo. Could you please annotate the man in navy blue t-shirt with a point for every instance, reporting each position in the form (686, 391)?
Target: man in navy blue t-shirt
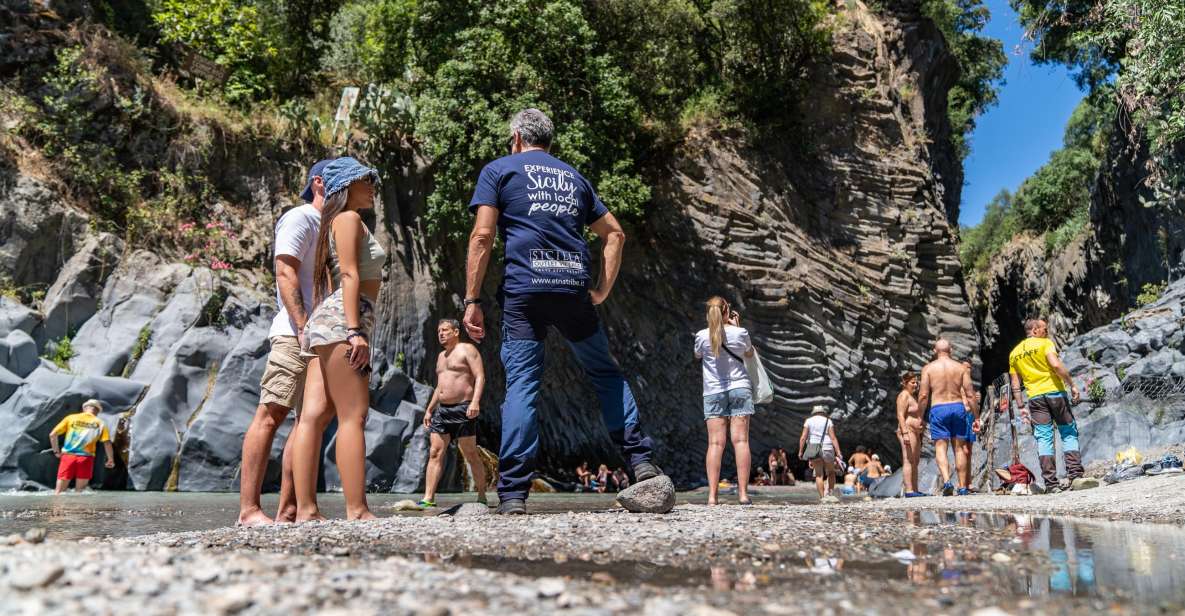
(540, 207)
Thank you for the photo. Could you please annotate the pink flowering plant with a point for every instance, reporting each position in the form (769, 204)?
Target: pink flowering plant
(207, 244)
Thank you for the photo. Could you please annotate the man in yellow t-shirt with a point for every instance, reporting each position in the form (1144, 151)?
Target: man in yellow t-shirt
(1035, 362)
(77, 457)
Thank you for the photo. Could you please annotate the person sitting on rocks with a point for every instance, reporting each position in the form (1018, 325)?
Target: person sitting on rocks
(1035, 363)
(948, 385)
(784, 467)
(857, 464)
(542, 206)
(819, 432)
(621, 478)
(850, 484)
(77, 456)
(603, 478)
(584, 477)
(454, 407)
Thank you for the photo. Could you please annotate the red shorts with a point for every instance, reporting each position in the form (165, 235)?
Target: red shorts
(76, 467)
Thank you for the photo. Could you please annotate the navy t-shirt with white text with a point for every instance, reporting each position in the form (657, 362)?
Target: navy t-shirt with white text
(544, 206)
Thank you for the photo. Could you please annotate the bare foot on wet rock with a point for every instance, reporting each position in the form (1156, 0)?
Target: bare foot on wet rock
(365, 515)
(311, 517)
(254, 517)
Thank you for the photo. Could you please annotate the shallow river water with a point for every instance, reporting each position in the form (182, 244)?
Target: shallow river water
(127, 514)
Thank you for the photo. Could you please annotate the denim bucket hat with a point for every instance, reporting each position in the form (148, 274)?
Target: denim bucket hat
(317, 169)
(341, 172)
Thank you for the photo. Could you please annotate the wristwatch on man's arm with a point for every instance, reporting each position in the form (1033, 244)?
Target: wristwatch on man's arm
(469, 301)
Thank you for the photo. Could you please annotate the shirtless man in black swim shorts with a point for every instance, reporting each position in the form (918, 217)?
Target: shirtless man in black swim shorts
(452, 412)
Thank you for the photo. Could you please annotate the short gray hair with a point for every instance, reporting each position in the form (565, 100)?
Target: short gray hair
(534, 127)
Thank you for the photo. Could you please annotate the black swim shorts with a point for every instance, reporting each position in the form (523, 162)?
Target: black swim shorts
(452, 419)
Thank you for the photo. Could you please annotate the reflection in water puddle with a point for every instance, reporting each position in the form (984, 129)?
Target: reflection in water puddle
(1087, 558)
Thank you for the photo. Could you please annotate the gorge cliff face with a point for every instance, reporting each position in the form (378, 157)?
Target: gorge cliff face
(1134, 238)
(832, 238)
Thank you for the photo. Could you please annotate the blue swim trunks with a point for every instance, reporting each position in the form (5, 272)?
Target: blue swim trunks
(950, 420)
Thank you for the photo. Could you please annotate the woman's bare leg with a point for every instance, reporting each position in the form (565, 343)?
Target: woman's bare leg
(915, 440)
(350, 393)
(907, 463)
(315, 414)
(468, 447)
(717, 435)
(819, 470)
(738, 432)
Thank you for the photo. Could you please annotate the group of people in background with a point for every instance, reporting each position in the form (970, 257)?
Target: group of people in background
(603, 480)
(1040, 385)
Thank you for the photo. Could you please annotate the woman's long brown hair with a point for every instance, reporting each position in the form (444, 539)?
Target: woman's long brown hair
(717, 307)
(322, 281)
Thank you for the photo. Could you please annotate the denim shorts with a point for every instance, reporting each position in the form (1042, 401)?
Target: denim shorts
(732, 403)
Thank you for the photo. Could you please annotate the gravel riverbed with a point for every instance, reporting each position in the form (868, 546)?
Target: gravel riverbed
(764, 559)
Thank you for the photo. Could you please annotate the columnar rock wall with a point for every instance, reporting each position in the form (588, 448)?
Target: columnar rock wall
(831, 237)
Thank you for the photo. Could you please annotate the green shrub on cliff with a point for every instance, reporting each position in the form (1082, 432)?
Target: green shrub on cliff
(981, 63)
(617, 76)
(1134, 45)
(1055, 200)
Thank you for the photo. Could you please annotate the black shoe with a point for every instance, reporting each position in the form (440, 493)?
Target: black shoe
(645, 471)
(512, 506)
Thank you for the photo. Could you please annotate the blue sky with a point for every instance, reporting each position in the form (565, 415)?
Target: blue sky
(1015, 137)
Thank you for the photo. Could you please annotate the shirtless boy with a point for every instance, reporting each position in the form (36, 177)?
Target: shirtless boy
(909, 432)
(454, 407)
(945, 386)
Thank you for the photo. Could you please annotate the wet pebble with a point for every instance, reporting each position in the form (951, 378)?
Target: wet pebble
(35, 576)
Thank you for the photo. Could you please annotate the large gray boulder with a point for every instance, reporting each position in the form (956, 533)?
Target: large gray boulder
(212, 447)
(9, 383)
(655, 495)
(18, 353)
(37, 232)
(16, 316)
(43, 400)
(74, 296)
(226, 328)
(132, 297)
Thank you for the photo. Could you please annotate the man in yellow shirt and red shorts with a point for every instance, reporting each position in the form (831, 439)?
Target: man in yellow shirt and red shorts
(1035, 362)
(77, 457)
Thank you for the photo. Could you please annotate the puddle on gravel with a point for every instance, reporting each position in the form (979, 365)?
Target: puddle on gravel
(1131, 564)
(1087, 558)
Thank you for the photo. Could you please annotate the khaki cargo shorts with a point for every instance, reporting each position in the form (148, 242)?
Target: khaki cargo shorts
(283, 377)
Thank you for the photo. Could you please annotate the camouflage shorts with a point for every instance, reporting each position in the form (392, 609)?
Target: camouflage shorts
(327, 325)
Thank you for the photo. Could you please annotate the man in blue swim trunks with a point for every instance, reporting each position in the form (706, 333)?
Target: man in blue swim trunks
(945, 385)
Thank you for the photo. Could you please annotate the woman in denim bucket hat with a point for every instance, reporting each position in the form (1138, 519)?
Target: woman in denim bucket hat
(348, 269)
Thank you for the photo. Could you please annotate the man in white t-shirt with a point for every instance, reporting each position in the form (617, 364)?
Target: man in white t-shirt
(283, 378)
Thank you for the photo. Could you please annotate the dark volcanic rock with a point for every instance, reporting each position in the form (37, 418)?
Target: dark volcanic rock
(651, 496)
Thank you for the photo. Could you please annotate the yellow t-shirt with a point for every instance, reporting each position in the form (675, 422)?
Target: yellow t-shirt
(1028, 360)
(82, 431)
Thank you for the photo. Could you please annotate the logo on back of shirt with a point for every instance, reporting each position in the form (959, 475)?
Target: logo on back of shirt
(548, 259)
(551, 191)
